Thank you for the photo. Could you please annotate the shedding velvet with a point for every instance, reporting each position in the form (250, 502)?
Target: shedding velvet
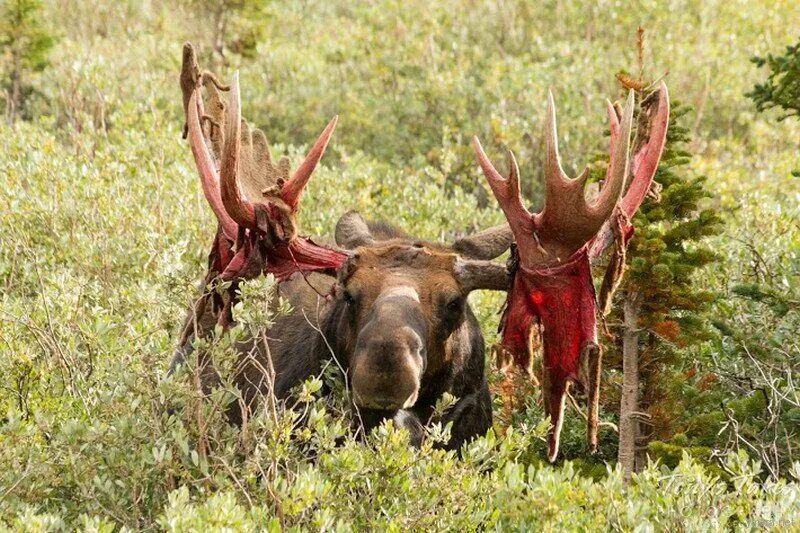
(560, 302)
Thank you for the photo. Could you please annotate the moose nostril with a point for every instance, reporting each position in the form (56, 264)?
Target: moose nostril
(385, 355)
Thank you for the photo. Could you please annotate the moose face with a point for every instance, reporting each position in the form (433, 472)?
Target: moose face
(400, 305)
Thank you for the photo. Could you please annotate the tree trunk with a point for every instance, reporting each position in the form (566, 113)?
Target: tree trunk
(629, 402)
(14, 94)
(218, 44)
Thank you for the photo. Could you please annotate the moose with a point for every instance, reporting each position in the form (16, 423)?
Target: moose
(391, 309)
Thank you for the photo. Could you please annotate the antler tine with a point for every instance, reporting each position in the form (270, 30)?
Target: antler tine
(205, 166)
(292, 190)
(514, 194)
(507, 191)
(617, 174)
(240, 210)
(645, 162)
(613, 125)
(554, 175)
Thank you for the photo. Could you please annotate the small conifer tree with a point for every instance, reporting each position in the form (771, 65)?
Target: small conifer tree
(25, 45)
(781, 89)
(660, 310)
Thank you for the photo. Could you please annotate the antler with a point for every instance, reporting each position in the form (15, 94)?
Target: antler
(651, 137)
(552, 290)
(240, 208)
(567, 221)
(253, 197)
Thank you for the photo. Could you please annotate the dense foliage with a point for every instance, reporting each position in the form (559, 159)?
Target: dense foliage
(781, 89)
(104, 232)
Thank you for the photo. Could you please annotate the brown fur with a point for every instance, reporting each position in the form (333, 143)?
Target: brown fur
(320, 328)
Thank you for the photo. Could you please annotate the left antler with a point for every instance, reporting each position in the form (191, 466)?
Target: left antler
(254, 200)
(553, 285)
(239, 208)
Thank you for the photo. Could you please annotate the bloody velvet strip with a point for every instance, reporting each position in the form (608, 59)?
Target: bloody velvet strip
(560, 302)
(283, 260)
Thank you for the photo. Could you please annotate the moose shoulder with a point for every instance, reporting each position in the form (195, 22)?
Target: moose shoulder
(395, 317)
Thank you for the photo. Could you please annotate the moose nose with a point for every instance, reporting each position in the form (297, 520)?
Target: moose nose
(387, 371)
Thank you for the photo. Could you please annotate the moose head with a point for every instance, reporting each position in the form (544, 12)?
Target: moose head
(402, 315)
(397, 314)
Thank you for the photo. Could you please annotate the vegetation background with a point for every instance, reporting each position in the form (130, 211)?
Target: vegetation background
(104, 232)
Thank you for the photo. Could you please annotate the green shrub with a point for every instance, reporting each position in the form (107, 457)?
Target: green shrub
(104, 232)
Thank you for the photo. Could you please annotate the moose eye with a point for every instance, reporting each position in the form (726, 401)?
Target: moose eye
(455, 305)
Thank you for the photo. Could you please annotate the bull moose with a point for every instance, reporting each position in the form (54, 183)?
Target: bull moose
(392, 310)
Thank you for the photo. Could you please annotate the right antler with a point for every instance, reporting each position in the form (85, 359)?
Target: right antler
(567, 221)
(254, 199)
(552, 295)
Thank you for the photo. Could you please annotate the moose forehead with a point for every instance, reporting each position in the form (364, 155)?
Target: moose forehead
(418, 266)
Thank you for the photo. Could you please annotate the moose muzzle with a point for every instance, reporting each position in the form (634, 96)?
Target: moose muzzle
(390, 355)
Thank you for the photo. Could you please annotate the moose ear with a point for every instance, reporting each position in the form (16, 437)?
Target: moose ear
(487, 244)
(352, 231)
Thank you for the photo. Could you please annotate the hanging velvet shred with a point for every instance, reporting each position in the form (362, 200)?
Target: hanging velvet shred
(560, 303)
